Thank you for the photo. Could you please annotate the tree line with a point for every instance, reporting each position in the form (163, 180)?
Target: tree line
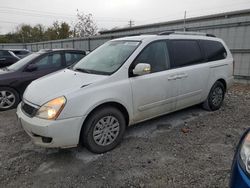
(25, 33)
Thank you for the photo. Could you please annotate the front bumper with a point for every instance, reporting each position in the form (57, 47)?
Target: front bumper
(63, 133)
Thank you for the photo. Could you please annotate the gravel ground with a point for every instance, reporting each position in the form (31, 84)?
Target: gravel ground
(189, 148)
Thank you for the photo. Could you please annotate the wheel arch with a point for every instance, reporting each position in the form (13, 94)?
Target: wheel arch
(223, 81)
(7, 86)
(116, 105)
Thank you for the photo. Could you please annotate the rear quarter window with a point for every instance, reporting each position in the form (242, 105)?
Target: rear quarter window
(185, 53)
(213, 50)
(5, 53)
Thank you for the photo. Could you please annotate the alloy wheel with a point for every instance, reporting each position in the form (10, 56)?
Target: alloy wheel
(217, 96)
(7, 99)
(106, 130)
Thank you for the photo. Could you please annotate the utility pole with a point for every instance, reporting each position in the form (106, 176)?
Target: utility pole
(184, 21)
(131, 23)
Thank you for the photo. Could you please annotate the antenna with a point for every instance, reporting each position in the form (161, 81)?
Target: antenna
(184, 21)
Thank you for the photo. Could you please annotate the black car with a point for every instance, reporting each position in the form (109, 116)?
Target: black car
(7, 58)
(15, 78)
(21, 53)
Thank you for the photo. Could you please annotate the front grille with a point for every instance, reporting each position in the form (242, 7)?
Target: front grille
(28, 109)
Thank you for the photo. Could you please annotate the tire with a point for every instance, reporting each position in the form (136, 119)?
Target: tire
(9, 98)
(215, 98)
(100, 123)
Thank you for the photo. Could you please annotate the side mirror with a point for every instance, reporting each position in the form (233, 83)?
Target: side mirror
(31, 67)
(142, 69)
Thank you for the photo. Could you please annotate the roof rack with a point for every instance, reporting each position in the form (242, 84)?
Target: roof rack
(185, 33)
(45, 50)
(166, 32)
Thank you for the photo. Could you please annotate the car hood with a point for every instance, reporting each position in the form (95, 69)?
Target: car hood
(58, 84)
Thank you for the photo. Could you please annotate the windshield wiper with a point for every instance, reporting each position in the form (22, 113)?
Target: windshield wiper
(91, 71)
(82, 70)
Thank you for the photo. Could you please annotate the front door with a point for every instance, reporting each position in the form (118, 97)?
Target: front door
(45, 65)
(154, 94)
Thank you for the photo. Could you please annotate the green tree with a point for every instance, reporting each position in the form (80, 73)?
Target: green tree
(38, 33)
(58, 31)
(25, 33)
(64, 31)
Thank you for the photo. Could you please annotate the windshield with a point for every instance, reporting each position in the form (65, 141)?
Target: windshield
(107, 58)
(19, 64)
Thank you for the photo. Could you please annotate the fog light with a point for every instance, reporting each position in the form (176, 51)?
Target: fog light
(46, 139)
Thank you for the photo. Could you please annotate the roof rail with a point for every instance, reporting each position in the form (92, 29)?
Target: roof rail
(166, 32)
(45, 50)
(186, 33)
(210, 35)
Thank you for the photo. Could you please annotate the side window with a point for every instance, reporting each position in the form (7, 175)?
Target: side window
(71, 57)
(17, 52)
(155, 54)
(214, 50)
(6, 53)
(185, 52)
(49, 61)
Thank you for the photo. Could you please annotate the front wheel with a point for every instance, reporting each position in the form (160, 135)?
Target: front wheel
(103, 130)
(9, 98)
(215, 98)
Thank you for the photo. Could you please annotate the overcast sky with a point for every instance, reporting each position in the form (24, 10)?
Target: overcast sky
(108, 13)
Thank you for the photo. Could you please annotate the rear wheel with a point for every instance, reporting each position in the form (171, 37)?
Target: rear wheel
(103, 130)
(9, 98)
(215, 98)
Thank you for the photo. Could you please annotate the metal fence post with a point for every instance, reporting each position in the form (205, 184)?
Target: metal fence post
(89, 47)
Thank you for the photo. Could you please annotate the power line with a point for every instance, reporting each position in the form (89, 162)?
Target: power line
(36, 11)
(8, 22)
(45, 13)
(54, 16)
(200, 12)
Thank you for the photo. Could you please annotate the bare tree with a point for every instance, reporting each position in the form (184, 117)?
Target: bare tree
(85, 25)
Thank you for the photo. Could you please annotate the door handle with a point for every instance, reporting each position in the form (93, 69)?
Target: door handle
(172, 77)
(2, 59)
(180, 76)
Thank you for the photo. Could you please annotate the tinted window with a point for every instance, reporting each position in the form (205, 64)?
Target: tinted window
(21, 63)
(4, 53)
(185, 52)
(72, 57)
(20, 52)
(214, 50)
(155, 54)
(49, 61)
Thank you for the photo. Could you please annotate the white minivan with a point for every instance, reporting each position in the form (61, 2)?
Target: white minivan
(123, 82)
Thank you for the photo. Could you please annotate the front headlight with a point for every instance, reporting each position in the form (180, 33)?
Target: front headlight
(245, 152)
(52, 109)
